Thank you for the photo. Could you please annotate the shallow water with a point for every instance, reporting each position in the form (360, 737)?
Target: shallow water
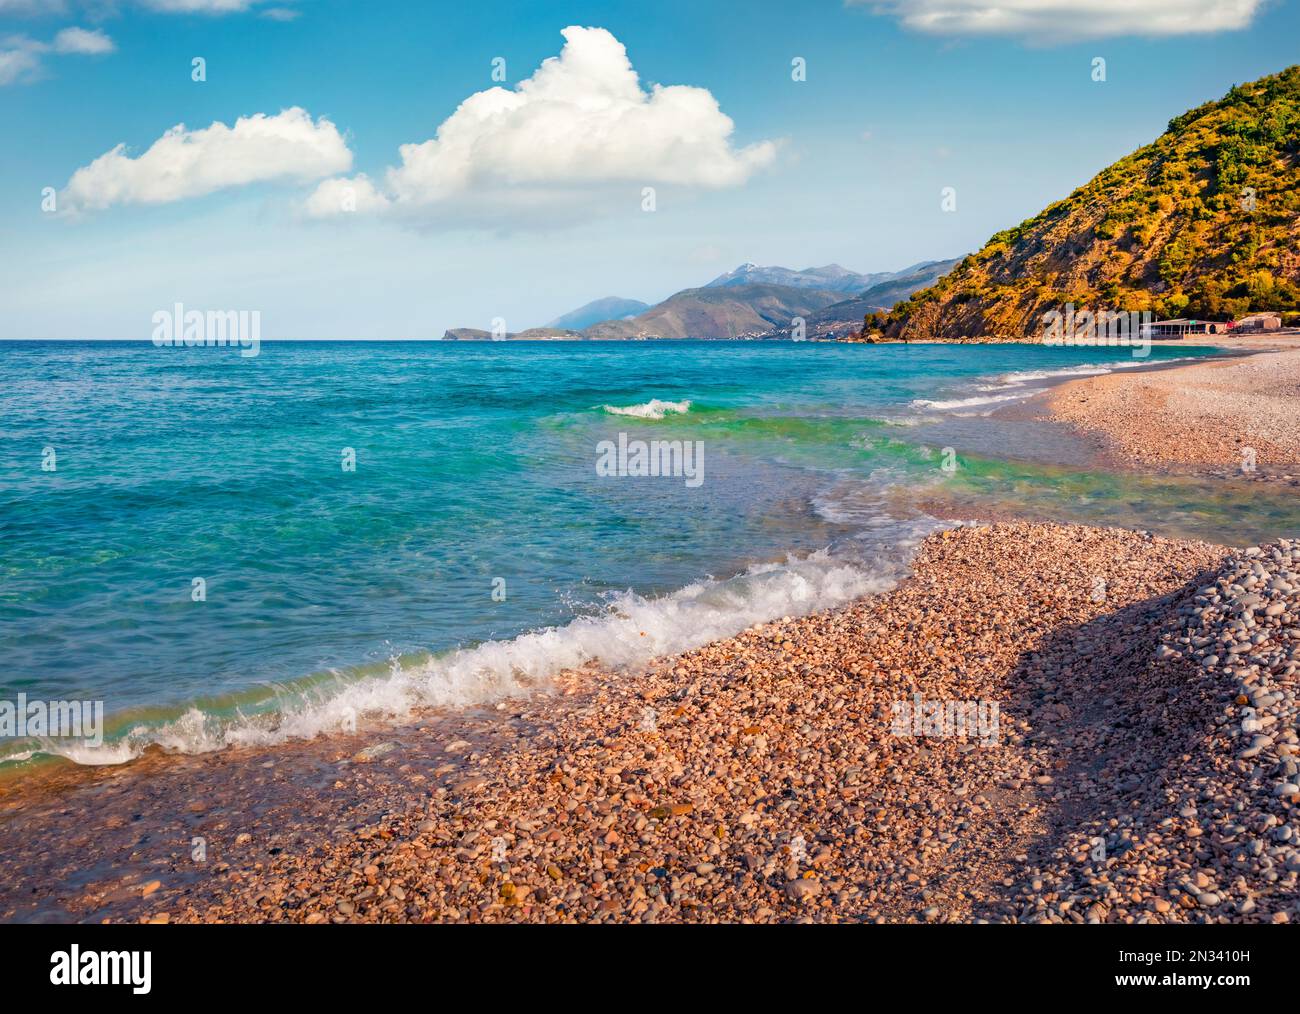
(475, 550)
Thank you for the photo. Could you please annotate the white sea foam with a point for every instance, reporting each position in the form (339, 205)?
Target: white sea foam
(865, 504)
(652, 409)
(630, 631)
(1020, 378)
(971, 402)
(1021, 384)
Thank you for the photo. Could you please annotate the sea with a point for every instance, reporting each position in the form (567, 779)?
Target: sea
(226, 549)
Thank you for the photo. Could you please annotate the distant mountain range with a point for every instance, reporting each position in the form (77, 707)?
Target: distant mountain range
(730, 311)
(845, 317)
(1204, 222)
(831, 278)
(749, 302)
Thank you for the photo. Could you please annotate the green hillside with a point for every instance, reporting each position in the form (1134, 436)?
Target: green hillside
(1204, 222)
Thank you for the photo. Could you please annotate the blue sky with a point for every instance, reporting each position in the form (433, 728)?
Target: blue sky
(901, 99)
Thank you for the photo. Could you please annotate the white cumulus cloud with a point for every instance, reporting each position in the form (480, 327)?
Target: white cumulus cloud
(190, 163)
(338, 196)
(1064, 20)
(581, 122)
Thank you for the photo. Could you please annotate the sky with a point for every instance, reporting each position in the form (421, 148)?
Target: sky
(391, 169)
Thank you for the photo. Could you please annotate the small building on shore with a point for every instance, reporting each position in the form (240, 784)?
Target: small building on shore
(1182, 328)
(1259, 323)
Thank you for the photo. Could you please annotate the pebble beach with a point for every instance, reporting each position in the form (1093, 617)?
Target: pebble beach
(1139, 766)
(1041, 722)
(1235, 416)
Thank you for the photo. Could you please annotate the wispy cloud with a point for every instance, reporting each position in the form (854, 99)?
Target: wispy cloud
(21, 57)
(84, 41)
(25, 7)
(107, 8)
(200, 6)
(191, 163)
(18, 64)
(581, 122)
(1066, 20)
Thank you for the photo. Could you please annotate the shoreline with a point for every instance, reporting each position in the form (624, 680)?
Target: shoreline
(573, 805)
(43, 766)
(757, 778)
(1030, 407)
(1232, 416)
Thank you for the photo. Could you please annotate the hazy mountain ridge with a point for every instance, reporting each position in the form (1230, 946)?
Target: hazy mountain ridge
(831, 278)
(729, 307)
(730, 311)
(598, 310)
(845, 317)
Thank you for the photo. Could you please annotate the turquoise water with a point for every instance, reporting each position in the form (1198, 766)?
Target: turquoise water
(475, 548)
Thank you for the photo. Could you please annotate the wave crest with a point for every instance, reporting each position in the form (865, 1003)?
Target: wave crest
(630, 631)
(652, 409)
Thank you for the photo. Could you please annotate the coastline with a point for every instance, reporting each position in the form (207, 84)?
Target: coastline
(652, 595)
(759, 778)
(202, 721)
(1202, 418)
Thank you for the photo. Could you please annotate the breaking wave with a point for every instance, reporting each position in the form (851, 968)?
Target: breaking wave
(1021, 384)
(652, 409)
(628, 631)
